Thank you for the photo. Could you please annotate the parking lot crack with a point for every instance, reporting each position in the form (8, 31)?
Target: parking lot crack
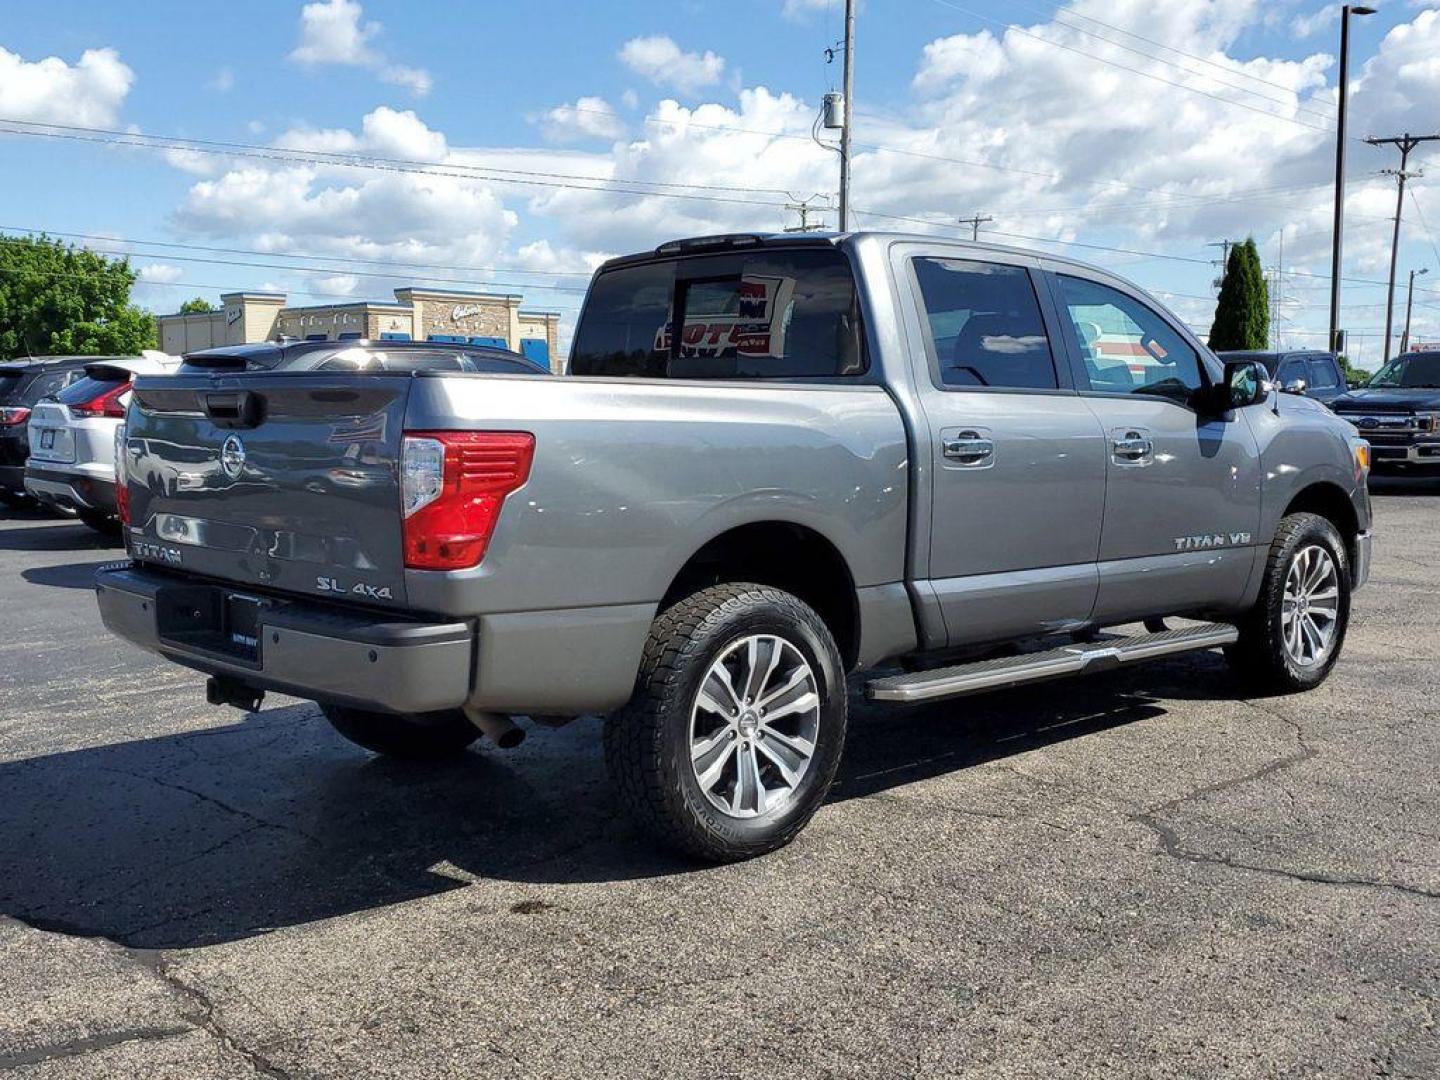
(213, 801)
(88, 1045)
(1171, 847)
(206, 1015)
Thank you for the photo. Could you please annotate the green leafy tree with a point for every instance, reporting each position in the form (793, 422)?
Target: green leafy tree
(1242, 314)
(197, 306)
(1353, 375)
(57, 299)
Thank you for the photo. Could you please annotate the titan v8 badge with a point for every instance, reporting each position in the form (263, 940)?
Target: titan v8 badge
(331, 585)
(1212, 540)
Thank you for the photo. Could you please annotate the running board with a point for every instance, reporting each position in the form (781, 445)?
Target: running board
(960, 679)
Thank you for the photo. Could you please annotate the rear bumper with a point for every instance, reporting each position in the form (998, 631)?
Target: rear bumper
(367, 660)
(71, 490)
(12, 478)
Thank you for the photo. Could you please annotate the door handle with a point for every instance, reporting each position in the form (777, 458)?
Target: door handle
(1132, 446)
(969, 448)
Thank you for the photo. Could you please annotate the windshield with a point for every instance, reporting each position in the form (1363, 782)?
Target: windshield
(1412, 370)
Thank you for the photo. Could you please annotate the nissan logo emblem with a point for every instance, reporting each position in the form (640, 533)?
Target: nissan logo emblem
(232, 457)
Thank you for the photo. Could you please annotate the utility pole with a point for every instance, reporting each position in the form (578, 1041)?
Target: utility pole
(1409, 304)
(849, 92)
(1338, 233)
(975, 222)
(806, 225)
(1224, 246)
(1406, 143)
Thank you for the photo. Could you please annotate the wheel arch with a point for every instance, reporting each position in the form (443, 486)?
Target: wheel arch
(1332, 502)
(786, 555)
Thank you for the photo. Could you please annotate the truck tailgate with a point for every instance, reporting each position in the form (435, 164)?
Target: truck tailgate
(283, 481)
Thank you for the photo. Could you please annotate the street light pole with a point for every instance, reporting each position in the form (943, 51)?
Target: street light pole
(849, 92)
(1409, 304)
(1405, 143)
(1337, 235)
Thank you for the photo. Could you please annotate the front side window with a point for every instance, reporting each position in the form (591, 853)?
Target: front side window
(762, 314)
(985, 325)
(1126, 346)
(1413, 370)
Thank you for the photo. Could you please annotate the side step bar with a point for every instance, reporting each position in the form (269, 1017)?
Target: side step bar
(960, 679)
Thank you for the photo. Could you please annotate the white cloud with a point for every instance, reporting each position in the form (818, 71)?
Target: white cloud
(336, 32)
(630, 99)
(1311, 23)
(664, 63)
(587, 118)
(331, 33)
(159, 273)
(336, 285)
(223, 82)
(89, 92)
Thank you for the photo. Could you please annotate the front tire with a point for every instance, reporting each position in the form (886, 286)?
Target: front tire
(428, 737)
(1292, 637)
(732, 739)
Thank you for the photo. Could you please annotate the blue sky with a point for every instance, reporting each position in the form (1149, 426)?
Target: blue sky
(1155, 127)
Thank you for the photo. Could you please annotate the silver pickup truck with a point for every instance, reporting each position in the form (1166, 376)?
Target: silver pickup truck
(778, 463)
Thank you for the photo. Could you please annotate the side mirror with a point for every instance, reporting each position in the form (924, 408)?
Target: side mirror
(1245, 383)
(1294, 386)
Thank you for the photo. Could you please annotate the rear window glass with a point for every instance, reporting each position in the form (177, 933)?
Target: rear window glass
(87, 389)
(757, 315)
(10, 384)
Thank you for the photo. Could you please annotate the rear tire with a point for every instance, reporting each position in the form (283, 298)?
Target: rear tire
(426, 737)
(732, 739)
(1292, 637)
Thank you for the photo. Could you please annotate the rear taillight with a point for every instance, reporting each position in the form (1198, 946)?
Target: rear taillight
(453, 485)
(13, 415)
(122, 485)
(106, 404)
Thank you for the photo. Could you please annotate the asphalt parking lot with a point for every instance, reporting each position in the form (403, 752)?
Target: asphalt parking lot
(1139, 874)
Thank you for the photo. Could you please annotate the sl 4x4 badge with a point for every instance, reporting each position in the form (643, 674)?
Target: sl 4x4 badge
(1212, 540)
(331, 585)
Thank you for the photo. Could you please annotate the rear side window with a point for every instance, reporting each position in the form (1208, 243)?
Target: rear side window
(11, 385)
(763, 314)
(985, 325)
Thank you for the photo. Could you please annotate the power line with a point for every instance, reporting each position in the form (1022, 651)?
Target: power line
(1146, 55)
(291, 255)
(1133, 71)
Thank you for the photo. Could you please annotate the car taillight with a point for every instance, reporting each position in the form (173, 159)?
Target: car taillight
(122, 484)
(13, 415)
(453, 485)
(106, 404)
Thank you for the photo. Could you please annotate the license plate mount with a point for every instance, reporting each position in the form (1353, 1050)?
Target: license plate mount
(211, 620)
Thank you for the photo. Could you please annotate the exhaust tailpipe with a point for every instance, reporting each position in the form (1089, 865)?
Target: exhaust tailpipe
(500, 730)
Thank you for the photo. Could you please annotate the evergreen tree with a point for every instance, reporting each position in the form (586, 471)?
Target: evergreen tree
(1242, 314)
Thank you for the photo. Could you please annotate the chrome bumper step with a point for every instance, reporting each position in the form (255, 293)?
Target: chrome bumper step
(1079, 658)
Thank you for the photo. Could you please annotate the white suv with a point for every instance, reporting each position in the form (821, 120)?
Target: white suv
(72, 438)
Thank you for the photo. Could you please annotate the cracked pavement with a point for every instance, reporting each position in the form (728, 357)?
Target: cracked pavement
(1136, 874)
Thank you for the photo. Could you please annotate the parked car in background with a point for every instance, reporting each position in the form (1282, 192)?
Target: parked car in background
(362, 355)
(72, 438)
(1315, 374)
(776, 460)
(23, 383)
(1398, 413)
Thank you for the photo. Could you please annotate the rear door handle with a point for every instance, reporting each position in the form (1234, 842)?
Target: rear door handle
(969, 448)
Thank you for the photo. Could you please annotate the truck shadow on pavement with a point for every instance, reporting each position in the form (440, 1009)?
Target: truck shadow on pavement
(80, 575)
(213, 835)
